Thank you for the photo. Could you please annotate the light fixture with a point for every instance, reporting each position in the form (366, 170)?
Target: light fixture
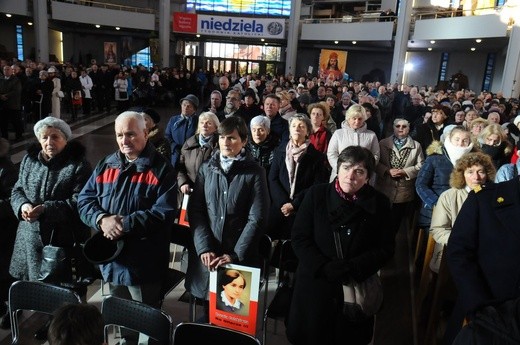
(8, 15)
(197, 35)
(262, 39)
(29, 23)
(430, 49)
(478, 40)
(336, 42)
(472, 49)
(408, 66)
(354, 42)
(432, 42)
(265, 43)
(98, 26)
(118, 28)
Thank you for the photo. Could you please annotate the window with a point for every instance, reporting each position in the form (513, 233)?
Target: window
(19, 42)
(243, 51)
(281, 8)
(142, 57)
(444, 67)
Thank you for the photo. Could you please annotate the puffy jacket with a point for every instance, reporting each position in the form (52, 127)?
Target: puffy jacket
(144, 193)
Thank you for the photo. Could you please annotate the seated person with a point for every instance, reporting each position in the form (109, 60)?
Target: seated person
(77, 324)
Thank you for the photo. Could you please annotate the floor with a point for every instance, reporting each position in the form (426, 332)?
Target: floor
(394, 324)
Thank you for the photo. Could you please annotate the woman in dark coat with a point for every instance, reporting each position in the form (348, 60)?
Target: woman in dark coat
(361, 215)
(44, 87)
(263, 143)
(227, 209)
(296, 166)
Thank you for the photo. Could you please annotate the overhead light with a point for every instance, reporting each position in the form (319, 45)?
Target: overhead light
(478, 40)
(336, 42)
(29, 23)
(262, 39)
(354, 42)
(472, 49)
(118, 28)
(430, 49)
(8, 15)
(197, 35)
(265, 43)
(432, 42)
(408, 66)
(98, 26)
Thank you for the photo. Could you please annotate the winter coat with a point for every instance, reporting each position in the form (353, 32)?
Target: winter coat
(402, 189)
(144, 194)
(500, 154)
(432, 180)
(315, 314)
(178, 130)
(263, 153)
(55, 184)
(312, 170)
(156, 137)
(8, 177)
(427, 133)
(12, 89)
(346, 136)
(192, 157)
(507, 172)
(443, 217)
(227, 214)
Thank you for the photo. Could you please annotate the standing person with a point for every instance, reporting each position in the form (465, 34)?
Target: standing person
(400, 163)
(121, 91)
(360, 214)
(86, 83)
(320, 135)
(181, 127)
(10, 103)
(227, 209)
(55, 100)
(279, 126)
(353, 132)
(263, 143)
(433, 128)
(155, 133)
(131, 196)
(296, 167)
(43, 88)
(44, 198)
(75, 88)
(8, 177)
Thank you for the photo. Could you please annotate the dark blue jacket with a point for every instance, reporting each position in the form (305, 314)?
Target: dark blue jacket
(144, 193)
(178, 130)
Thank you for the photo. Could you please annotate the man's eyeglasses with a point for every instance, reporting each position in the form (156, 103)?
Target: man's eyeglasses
(401, 126)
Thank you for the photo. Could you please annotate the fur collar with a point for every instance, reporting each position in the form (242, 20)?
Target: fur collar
(435, 148)
(74, 150)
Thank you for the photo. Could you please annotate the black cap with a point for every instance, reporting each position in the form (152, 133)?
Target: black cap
(153, 114)
(100, 250)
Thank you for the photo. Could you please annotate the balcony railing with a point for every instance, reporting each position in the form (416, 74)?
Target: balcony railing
(111, 6)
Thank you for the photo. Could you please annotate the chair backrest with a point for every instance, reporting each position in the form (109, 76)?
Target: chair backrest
(138, 317)
(37, 296)
(196, 333)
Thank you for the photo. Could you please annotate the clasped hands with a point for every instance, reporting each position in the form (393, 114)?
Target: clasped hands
(31, 213)
(212, 261)
(112, 226)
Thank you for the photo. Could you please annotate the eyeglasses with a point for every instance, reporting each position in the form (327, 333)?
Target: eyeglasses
(401, 126)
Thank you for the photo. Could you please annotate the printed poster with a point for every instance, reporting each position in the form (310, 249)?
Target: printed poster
(110, 49)
(333, 64)
(233, 297)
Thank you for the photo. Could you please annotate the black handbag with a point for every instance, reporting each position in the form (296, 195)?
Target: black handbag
(56, 265)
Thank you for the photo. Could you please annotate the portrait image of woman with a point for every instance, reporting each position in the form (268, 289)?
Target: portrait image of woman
(231, 284)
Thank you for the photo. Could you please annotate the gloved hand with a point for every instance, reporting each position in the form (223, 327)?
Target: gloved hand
(335, 271)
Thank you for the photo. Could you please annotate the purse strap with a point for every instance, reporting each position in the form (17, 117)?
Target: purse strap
(73, 237)
(337, 243)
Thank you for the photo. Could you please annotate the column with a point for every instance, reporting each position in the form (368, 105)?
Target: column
(401, 41)
(164, 31)
(511, 75)
(292, 37)
(41, 31)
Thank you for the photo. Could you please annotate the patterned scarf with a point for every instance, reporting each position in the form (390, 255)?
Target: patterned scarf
(342, 194)
(292, 158)
(399, 143)
(398, 159)
(204, 140)
(227, 162)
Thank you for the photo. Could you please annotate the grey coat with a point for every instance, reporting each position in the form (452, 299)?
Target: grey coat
(227, 215)
(55, 184)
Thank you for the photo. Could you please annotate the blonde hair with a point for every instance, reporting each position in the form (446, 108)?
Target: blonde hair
(356, 110)
(207, 115)
(491, 129)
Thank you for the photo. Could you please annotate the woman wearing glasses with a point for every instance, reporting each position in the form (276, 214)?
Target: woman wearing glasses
(400, 161)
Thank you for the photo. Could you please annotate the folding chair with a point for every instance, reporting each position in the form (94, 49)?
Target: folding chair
(281, 302)
(197, 333)
(37, 296)
(138, 317)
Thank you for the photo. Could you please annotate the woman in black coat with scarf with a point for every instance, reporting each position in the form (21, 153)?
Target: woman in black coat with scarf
(296, 166)
(361, 215)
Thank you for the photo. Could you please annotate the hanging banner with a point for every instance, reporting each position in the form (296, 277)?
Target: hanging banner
(110, 49)
(233, 297)
(228, 26)
(155, 55)
(333, 64)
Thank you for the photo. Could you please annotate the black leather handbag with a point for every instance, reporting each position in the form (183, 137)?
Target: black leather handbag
(56, 265)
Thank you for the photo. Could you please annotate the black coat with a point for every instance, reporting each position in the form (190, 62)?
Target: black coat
(315, 316)
(483, 253)
(312, 170)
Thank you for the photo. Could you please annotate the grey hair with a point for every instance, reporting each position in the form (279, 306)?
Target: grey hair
(53, 122)
(305, 119)
(400, 119)
(261, 120)
(217, 92)
(139, 117)
(208, 115)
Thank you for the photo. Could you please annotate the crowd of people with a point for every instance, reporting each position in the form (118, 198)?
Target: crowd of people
(295, 158)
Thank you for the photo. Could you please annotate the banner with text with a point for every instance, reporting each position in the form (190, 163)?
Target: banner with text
(228, 26)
